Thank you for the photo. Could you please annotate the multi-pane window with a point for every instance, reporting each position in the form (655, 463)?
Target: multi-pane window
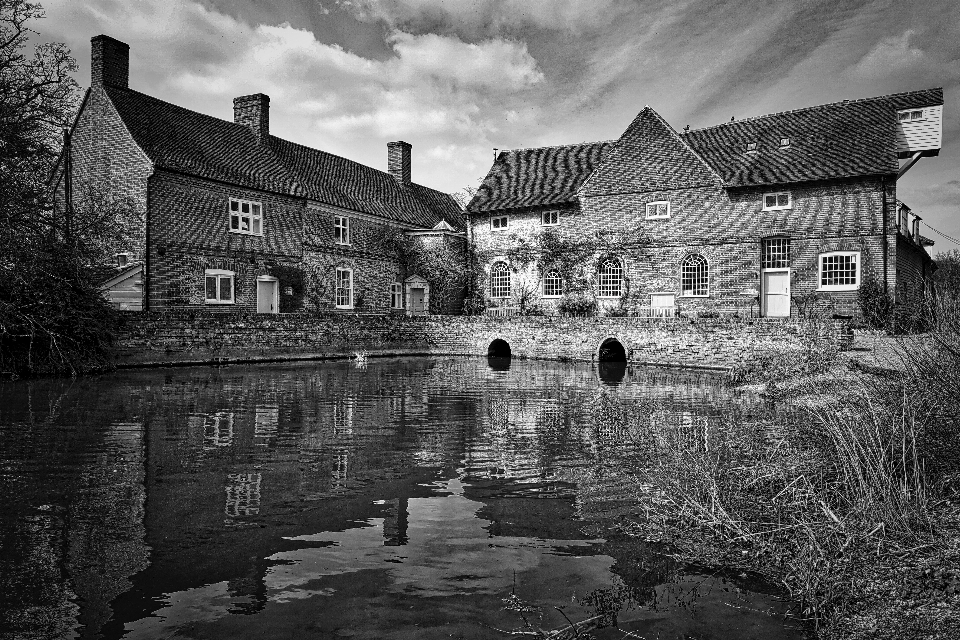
(550, 218)
(694, 276)
(552, 284)
(500, 280)
(775, 253)
(396, 296)
(341, 230)
(498, 223)
(610, 278)
(218, 286)
(659, 209)
(773, 201)
(840, 271)
(246, 217)
(911, 114)
(344, 288)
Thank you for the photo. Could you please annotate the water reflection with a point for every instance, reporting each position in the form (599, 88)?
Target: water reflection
(403, 499)
(612, 373)
(498, 363)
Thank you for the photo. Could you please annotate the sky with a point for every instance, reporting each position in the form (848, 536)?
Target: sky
(459, 78)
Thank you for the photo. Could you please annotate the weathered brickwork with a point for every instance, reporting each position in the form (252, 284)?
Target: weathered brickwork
(189, 228)
(726, 227)
(169, 338)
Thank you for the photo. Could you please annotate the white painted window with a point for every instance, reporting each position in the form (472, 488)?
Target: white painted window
(218, 286)
(694, 276)
(784, 142)
(341, 230)
(500, 280)
(499, 223)
(777, 200)
(344, 288)
(658, 210)
(910, 115)
(662, 300)
(552, 284)
(550, 218)
(610, 278)
(775, 253)
(751, 146)
(840, 271)
(246, 217)
(396, 296)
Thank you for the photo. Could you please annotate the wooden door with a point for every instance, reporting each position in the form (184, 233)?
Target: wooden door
(267, 299)
(417, 296)
(776, 293)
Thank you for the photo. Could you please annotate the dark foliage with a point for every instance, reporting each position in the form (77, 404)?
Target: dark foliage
(875, 305)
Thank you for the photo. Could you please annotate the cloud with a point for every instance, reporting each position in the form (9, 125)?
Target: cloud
(889, 55)
(474, 18)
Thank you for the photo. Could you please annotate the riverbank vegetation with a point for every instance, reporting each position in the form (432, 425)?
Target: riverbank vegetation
(52, 317)
(842, 486)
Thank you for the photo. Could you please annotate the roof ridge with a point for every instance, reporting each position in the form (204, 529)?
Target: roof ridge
(557, 146)
(811, 108)
(175, 106)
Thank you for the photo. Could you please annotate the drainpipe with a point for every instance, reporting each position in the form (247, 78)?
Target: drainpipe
(883, 186)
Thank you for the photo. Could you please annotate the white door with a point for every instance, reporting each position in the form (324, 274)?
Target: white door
(776, 294)
(417, 296)
(267, 298)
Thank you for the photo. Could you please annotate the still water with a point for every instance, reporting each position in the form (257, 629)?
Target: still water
(409, 498)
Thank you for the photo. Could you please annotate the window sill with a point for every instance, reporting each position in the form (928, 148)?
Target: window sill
(839, 288)
(657, 218)
(691, 295)
(246, 233)
(549, 224)
(344, 244)
(218, 302)
(350, 308)
(777, 208)
(546, 297)
(617, 297)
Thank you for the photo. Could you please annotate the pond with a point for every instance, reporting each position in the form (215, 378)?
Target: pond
(407, 498)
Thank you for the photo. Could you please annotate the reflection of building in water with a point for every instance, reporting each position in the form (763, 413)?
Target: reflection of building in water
(243, 494)
(343, 416)
(217, 429)
(686, 430)
(395, 523)
(265, 422)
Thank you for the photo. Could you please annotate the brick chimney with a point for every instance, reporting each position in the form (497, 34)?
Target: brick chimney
(109, 62)
(254, 112)
(398, 161)
(916, 229)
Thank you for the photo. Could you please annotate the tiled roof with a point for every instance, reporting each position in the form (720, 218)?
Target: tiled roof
(350, 185)
(842, 139)
(540, 176)
(184, 140)
(648, 156)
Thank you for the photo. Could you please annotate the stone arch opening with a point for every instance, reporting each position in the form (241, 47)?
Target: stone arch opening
(499, 349)
(611, 351)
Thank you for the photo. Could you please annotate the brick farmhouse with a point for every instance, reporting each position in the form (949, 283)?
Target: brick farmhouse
(786, 214)
(225, 216)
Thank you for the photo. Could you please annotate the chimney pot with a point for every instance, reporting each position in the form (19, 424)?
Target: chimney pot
(254, 112)
(109, 62)
(398, 161)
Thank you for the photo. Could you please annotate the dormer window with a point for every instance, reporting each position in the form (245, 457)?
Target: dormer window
(751, 146)
(778, 200)
(123, 259)
(784, 142)
(658, 210)
(910, 115)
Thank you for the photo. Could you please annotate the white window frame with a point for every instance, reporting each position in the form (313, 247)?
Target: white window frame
(549, 275)
(499, 223)
(655, 206)
(341, 229)
(396, 295)
(839, 287)
(219, 274)
(776, 195)
(784, 142)
(706, 266)
(550, 218)
(909, 113)
(253, 216)
(337, 288)
(496, 287)
(601, 285)
(750, 147)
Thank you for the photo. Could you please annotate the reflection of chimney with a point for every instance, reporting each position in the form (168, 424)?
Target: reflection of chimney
(395, 524)
(254, 112)
(916, 229)
(398, 161)
(109, 62)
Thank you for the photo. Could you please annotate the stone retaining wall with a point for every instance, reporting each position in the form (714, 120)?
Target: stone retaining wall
(150, 339)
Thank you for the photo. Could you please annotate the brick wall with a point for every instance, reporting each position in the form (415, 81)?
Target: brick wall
(184, 337)
(727, 227)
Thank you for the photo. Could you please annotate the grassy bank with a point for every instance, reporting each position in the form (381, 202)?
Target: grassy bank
(843, 487)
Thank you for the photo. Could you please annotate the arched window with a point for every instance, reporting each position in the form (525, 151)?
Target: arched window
(610, 278)
(552, 284)
(500, 280)
(694, 276)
